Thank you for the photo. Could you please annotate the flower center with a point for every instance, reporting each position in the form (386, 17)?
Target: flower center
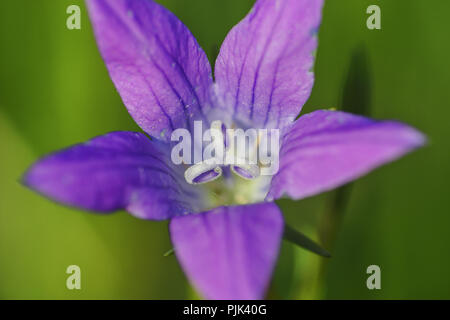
(231, 173)
(232, 189)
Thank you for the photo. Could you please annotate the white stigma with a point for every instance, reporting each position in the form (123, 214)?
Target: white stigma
(202, 172)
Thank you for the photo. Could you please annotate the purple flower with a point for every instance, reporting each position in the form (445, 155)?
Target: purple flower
(226, 233)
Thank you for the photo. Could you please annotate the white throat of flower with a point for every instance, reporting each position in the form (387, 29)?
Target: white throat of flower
(226, 154)
(235, 167)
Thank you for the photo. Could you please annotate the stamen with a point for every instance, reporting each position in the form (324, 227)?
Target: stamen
(202, 172)
(246, 171)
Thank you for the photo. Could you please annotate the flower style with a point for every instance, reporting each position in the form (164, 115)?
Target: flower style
(226, 233)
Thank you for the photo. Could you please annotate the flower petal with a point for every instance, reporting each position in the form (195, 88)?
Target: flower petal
(160, 71)
(229, 252)
(326, 149)
(120, 170)
(264, 67)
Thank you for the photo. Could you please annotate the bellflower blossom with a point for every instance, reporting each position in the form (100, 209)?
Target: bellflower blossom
(226, 233)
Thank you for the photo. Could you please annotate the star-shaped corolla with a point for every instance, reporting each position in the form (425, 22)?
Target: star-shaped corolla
(226, 233)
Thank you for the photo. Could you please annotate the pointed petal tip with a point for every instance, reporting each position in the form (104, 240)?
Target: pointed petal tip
(27, 178)
(419, 138)
(140, 42)
(263, 71)
(337, 147)
(229, 252)
(116, 171)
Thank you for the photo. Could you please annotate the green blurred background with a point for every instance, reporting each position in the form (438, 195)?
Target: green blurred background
(55, 91)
